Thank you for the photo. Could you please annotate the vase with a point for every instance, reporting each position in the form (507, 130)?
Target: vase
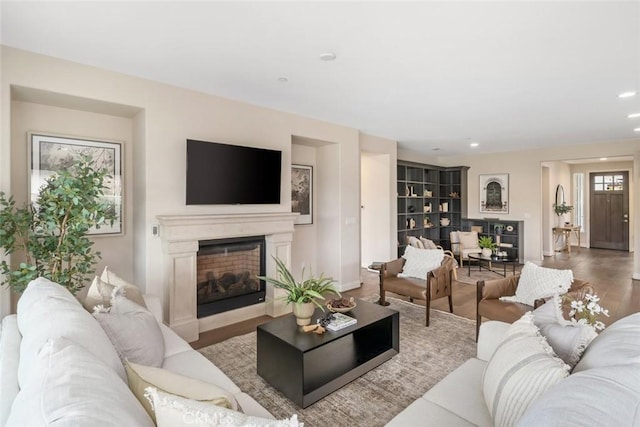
(303, 312)
(486, 252)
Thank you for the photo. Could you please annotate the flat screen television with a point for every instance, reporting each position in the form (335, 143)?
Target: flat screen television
(223, 174)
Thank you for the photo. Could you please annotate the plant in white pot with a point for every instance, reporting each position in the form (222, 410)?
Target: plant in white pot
(302, 294)
(561, 210)
(487, 245)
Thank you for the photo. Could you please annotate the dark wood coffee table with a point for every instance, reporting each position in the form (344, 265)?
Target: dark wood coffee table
(489, 260)
(306, 367)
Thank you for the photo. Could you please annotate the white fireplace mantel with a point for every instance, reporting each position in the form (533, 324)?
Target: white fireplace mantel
(181, 234)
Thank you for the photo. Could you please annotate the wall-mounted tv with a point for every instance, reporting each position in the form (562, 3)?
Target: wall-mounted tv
(223, 174)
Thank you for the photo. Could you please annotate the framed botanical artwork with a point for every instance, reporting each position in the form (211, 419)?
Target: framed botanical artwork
(494, 193)
(50, 154)
(302, 193)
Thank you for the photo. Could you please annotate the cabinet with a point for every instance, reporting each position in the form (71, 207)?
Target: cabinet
(509, 234)
(432, 201)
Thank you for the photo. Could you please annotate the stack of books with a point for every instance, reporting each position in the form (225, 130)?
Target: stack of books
(341, 321)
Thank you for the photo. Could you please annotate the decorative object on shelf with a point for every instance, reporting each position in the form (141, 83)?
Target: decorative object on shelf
(411, 208)
(454, 195)
(498, 228)
(407, 191)
(413, 193)
(494, 193)
(302, 292)
(428, 193)
(411, 223)
(302, 193)
(427, 208)
(52, 231)
(341, 305)
(509, 228)
(487, 245)
(428, 223)
(445, 221)
(50, 154)
(444, 207)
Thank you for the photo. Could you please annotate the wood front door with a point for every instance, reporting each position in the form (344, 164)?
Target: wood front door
(609, 212)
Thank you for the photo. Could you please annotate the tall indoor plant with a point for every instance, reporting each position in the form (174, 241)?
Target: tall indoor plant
(302, 294)
(51, 234)
(561, 210)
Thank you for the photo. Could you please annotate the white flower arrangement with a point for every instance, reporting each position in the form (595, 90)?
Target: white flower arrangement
(586, 311)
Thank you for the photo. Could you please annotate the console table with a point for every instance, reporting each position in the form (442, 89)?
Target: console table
(306, 367)
(565, 233)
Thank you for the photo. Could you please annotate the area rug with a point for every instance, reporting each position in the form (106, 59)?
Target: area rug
(426, 356)
(464, 277)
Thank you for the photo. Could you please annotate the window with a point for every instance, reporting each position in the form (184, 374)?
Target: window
(578, 202)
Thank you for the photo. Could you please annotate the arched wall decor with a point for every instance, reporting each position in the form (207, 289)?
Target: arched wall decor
(494, 193)
(559, 195)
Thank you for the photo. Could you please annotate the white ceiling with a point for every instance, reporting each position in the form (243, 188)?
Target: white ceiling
(431, 75)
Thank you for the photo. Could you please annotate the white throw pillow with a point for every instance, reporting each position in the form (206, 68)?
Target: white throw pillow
(619, 344)
(46, 311)
(175, 411)
(521, 369)
(568, 340)
(420, 261)
(539, 282)
(69, 386)
(99, 293)
(133, 330)
(141, 377)
(468, 239)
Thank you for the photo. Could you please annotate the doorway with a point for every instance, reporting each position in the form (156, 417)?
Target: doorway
(609, 210)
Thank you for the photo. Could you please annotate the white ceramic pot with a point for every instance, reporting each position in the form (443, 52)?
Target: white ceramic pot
(486, 252)
(303, 312)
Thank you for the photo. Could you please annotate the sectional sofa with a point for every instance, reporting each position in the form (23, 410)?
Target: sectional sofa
(57, 365)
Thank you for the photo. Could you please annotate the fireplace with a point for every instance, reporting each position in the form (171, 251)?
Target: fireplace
(227, 271)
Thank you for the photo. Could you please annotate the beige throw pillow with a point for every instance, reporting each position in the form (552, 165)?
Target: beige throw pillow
(100, 291)
(468, 239)
(141, 377)
(540, 282)
(428, 244)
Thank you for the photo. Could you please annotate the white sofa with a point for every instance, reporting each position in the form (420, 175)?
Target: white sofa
(47, 311)
(603, 388)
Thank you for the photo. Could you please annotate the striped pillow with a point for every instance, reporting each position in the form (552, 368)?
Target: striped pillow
(522, 368)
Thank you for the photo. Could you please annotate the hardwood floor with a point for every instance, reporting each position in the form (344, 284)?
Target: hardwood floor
(610, 271)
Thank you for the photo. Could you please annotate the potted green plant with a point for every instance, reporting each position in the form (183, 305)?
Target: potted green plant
(561, 210)
(51, 234)
(498, 228)
(487, 245)
(303, 294)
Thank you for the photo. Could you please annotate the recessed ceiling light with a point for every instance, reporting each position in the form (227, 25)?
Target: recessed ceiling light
(634, 115)
(328, 56)
(474, 144)
(627, 94)
(283, 79)
(436, 149)
(603, 158)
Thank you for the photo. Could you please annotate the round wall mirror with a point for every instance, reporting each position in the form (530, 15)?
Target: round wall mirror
(559, 195)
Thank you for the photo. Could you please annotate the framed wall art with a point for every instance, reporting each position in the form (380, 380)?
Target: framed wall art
(494, 193)
(302, 193)
(50, 154)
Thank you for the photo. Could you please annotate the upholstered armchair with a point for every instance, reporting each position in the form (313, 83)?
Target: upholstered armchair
(464, 243)
(491, 307)
(437, 283)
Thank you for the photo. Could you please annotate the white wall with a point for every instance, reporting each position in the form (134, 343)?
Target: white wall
(162, 118)
(303, 253)
(26, 117)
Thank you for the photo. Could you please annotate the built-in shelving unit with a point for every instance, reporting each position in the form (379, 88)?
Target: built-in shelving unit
(509, 234)
(432, 201)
